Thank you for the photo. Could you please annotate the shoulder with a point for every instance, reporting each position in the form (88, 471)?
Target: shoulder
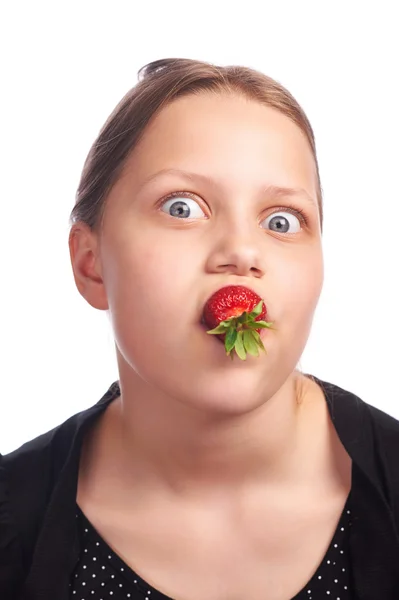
(52, 448)
(350, 403)
(25, 487)
(370, 435)
(28, 476)
(346, 405)
(386, 439)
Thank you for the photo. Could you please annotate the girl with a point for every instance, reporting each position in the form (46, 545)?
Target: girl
(213, 468)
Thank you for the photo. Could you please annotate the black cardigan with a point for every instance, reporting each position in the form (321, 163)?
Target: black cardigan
(39, 545)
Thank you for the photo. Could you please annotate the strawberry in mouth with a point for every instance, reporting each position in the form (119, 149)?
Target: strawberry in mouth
(237, 314)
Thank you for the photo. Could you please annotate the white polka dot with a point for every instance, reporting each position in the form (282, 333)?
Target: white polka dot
(319, 577)
(335, 545)
(109, 556)
(335, 580)
(93, 575)
(103, 567)
(342, 529)
(97, 543)
(86, 530)
(120, 585)
(84, 566)
(343, 569)
(94, 558)
(83, 583)
(122, 569)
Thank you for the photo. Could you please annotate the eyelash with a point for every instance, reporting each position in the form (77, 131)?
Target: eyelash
(288, 208)
(294, 210)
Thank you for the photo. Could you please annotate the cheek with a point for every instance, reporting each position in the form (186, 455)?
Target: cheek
(153, 298)
(303, 283)
(151, 283)
(167, 273)
(298, 287)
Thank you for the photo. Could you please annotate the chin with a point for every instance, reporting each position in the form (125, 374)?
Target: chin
(230, 393)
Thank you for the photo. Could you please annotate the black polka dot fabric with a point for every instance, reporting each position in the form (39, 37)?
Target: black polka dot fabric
(102, 575)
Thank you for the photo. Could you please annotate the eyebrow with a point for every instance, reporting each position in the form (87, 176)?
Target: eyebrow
(269, 190)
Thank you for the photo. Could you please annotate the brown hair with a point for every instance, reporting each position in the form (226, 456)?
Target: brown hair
(160, 82)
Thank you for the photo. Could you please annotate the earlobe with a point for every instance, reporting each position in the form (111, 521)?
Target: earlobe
(86, 266)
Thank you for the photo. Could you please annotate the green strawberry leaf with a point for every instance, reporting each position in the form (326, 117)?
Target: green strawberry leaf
(221, 328)
(257, 310)
(261, 325)
(258, 340)
(239, 346)
(230, 340)
(250, 344)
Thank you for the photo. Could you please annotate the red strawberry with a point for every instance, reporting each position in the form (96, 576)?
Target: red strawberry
(236, 313)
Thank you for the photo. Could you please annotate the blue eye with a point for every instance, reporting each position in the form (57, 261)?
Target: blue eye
(284, 222)
(182, 207)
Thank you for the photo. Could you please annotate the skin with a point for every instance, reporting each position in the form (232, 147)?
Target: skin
(210, 438)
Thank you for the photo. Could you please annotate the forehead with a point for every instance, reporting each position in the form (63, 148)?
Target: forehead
(226, 135)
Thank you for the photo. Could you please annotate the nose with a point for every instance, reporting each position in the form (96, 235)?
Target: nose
(238, 253)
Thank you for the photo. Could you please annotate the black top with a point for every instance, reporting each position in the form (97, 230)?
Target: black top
(39, 538)
(101, 573)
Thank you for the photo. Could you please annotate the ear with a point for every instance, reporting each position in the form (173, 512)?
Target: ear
(86, 265)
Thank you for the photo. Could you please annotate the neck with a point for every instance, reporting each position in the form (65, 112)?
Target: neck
(175, 447)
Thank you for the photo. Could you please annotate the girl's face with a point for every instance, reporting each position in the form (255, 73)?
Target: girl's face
(197, 208)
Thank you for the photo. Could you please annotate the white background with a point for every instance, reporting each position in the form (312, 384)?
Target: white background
(65, 65)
